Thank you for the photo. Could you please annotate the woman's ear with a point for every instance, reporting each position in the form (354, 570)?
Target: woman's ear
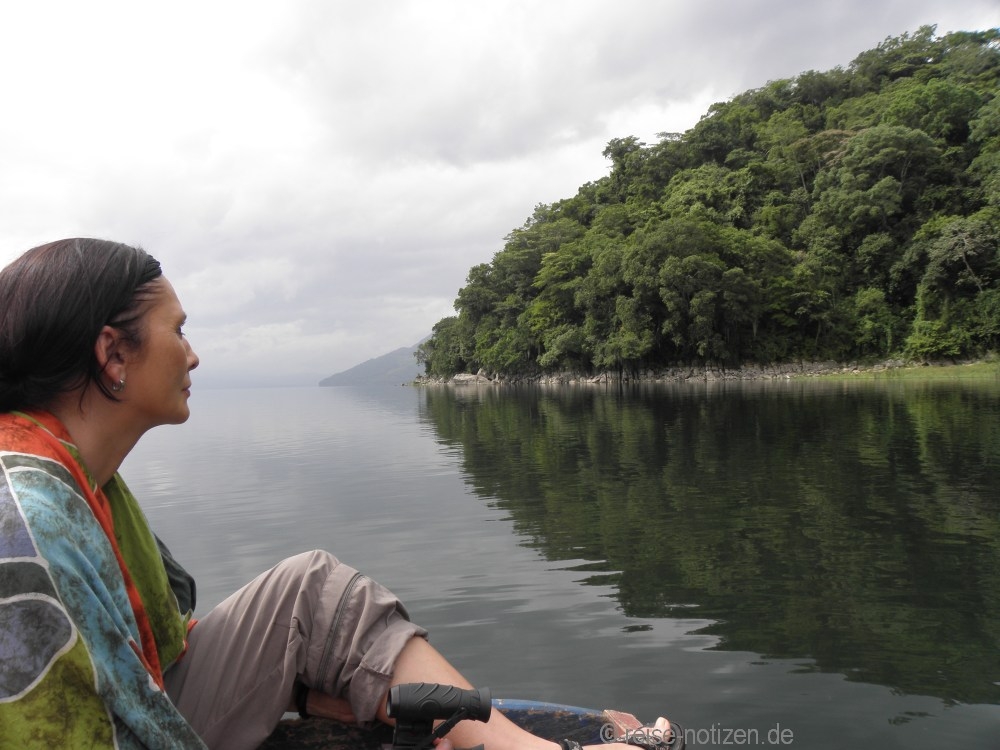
(108, 350)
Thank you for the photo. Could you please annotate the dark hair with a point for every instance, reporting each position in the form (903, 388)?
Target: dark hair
(54, 300)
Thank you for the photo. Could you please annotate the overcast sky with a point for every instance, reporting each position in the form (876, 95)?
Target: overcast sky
(318, 177)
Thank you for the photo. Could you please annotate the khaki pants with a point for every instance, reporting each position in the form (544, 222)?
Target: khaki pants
(310, 619)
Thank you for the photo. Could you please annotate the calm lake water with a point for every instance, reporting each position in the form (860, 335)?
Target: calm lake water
(785, 563)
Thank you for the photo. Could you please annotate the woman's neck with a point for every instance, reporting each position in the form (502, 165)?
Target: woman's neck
(97, 431)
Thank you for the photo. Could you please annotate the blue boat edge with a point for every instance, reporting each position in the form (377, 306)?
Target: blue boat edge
(554, 721)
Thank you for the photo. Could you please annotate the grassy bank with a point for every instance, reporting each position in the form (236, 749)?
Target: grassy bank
(982, 370)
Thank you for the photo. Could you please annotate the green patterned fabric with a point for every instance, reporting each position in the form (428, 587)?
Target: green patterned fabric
(88, 619)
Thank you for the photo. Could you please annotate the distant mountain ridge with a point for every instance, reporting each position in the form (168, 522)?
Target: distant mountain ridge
(398, 367)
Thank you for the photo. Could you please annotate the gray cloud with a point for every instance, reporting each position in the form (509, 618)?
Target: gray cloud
(317, 178)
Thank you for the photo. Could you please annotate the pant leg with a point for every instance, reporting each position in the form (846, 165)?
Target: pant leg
(310, 618)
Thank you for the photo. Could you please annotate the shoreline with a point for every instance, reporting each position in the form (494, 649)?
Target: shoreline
(978, 369)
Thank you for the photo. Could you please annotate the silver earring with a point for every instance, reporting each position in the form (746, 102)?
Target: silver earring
(119, 386)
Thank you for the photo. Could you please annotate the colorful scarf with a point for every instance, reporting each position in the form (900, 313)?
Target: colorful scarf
(88, 619)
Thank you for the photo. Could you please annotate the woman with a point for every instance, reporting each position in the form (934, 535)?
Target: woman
(99, 646)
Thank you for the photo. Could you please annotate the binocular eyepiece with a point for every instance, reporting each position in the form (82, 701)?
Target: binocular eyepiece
(417, 705)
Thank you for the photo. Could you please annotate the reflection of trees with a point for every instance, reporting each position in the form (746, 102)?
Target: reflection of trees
(853, 524)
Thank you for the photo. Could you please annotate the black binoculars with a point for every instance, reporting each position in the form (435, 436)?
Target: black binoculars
(417, 705)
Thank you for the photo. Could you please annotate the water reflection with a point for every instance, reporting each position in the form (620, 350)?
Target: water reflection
(852, 524)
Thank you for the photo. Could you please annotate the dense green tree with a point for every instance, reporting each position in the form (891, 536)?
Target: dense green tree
(597, 298)
(940, 108)
(875, 322)
(708, 191)
(728, 127)
(627, 157)
(847, 213)
(895, 58)
(984, 169)
(956, 298)
(449, 349)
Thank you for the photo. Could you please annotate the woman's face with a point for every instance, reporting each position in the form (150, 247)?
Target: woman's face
(158, 374)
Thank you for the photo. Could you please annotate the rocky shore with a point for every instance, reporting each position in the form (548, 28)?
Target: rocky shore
(677, 374)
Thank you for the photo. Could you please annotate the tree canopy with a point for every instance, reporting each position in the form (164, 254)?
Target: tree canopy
(847, 214)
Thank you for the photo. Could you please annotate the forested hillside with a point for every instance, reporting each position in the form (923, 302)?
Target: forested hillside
(847, 214)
